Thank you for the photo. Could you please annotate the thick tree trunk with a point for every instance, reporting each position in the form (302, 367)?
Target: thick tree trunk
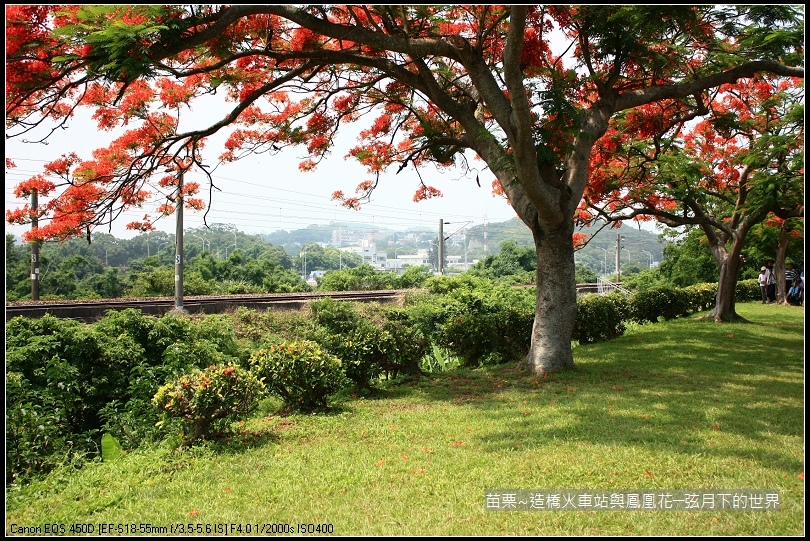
(556, 309)
(725, 304)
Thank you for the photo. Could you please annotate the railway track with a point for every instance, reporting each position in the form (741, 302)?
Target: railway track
(91, 310)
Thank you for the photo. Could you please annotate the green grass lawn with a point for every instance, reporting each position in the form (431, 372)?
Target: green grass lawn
(682, 405)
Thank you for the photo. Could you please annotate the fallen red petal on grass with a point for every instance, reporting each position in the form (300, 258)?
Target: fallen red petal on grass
(648, 474)
(193, 513)
(715, 427)
(404, 457)
(801, 476)
(458, 443)
(381, 463)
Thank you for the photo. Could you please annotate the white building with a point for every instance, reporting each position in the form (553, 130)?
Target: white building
(368, 251)
(401, 262)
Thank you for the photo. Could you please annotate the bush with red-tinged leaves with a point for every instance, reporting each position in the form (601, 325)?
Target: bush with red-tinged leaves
(210, 400)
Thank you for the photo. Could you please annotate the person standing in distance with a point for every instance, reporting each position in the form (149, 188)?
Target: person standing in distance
(763, 284)
(771, 281)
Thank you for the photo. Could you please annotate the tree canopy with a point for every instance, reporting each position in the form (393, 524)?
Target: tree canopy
(724, 173)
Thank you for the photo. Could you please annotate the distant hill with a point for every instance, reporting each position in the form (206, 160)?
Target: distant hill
(634, 244)
(480, 240)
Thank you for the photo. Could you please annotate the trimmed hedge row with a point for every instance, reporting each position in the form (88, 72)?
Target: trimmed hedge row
(603, 317)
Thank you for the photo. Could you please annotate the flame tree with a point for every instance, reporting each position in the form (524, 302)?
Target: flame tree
(432, 82)
(724, 174)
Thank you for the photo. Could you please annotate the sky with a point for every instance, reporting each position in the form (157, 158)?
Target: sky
(264, 193)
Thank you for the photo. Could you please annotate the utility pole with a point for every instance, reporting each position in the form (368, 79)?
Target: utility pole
(34, 249)
(618, 259)
(178, 247)
(485, 235)
(441, 246)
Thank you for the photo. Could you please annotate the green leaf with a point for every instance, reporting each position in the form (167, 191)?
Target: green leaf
(110, 448)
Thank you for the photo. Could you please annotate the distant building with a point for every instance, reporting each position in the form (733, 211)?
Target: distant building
(401, 262)
(368, 251)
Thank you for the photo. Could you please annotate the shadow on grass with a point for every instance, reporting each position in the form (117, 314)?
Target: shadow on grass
(670, 387)
(237, 441)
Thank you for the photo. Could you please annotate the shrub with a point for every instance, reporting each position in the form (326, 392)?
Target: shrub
(701, 297)
(209, 400)
(487, 325)
(663, 301)
(362, 351)
(365, 278)
(748, 291)
(473, 319)
(71, 365)
(408, 345)
(368, 344)
(414, 276)
(36, 430)
(361, 347)
(600, 317)
(337, 316)
(300, 372)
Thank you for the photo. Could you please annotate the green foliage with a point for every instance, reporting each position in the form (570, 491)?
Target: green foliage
(110, 448)
(477, 321)
(407, 346)
(512, 260)
(301, 373)
(78, 378)
(337, 316)
(362, 351)
(362, 278)
(701, 297)
(747, 291)
(689, 261)
(584, 275)
(601, 317)
(438, 360)
(120, 47)
(261, 327)
(643, 280)
(209, 400)
(72, 364)
(414, 276)
(157, 282)
(665, 301)
(367, 346)
(37, 430)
